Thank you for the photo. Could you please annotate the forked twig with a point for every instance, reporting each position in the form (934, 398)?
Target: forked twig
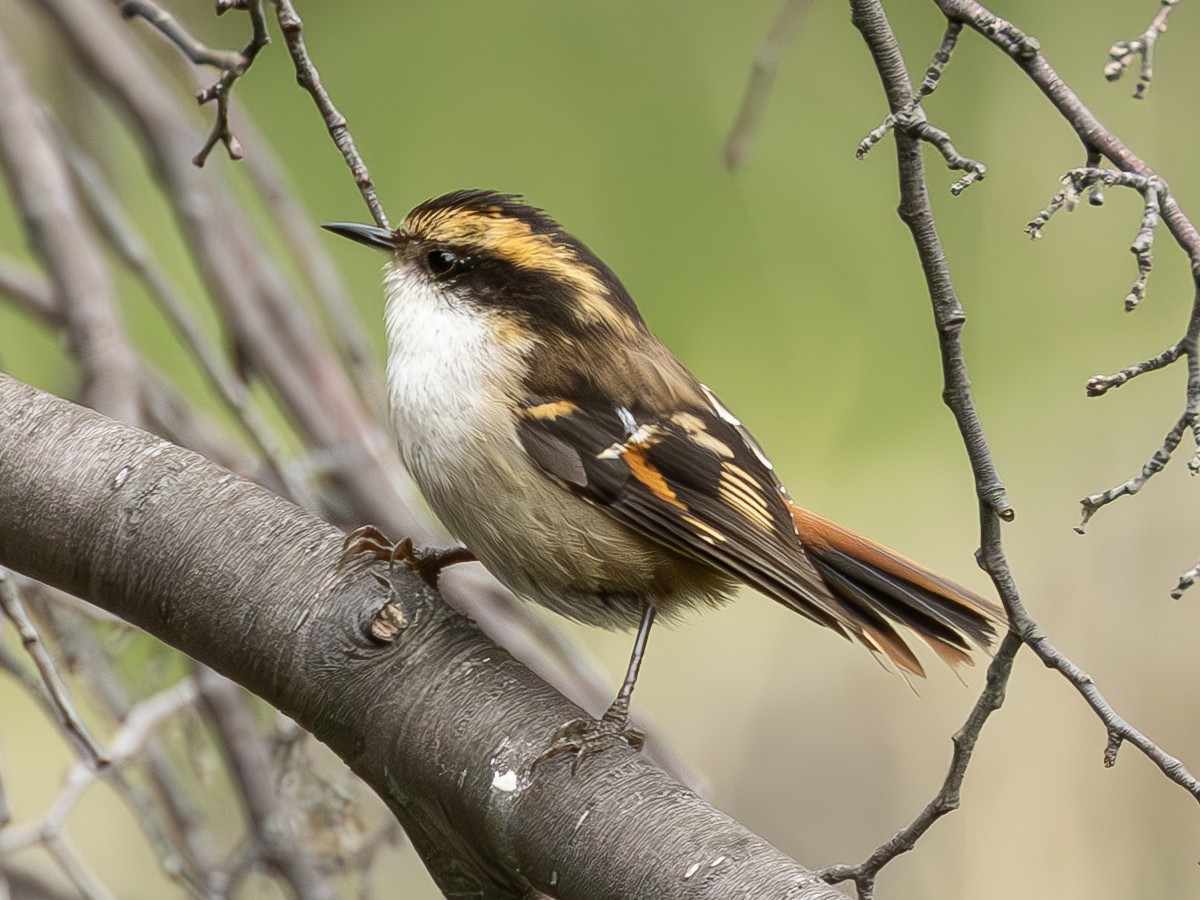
(1122, 53)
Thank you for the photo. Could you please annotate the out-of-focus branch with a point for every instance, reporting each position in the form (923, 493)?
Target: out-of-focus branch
(122, 236)
(56, 688)
(40, 184)
(273, 337)
(146, 529)
(29, 290)
(124, 747)
(257, 780)
(294, 224)
(741, 136)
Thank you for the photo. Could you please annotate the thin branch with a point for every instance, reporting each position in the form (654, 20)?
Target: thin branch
(1122, 53)
(233, 63)
(221, 88)
(911, 118)
(948, 796)
(1079, 181)
(741, 135)
(196, 50)
(1026, 52)
(56, 688)
(915, 210)
(1099, 385)
(309, 79)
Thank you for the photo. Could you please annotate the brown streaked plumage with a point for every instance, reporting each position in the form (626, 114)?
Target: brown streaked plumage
(587, 468)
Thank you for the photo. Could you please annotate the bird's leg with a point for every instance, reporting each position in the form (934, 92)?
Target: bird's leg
(586, 736)
(425, 562)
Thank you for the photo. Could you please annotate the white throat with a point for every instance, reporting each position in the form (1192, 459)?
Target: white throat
(449, 379)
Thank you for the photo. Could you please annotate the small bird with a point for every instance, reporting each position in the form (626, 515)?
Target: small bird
(589, 470)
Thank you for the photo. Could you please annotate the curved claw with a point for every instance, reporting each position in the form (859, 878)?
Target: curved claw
(427, 563)
(585, 736)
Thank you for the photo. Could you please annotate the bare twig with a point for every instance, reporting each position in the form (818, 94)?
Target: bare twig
(1186, 580)
(915, 210)
(1122, 53)
(1099, 385)
(233, 63)
(762, 77)
(220, 89)
(1153, 190)
(1026, 52)
(196, 50)
(948, 797)
(56, 688)
(310, 80)
(911, 118)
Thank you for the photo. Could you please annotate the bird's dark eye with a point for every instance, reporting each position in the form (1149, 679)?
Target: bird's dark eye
(443, 263)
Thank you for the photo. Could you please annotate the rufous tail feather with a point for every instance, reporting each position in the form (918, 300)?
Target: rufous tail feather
(876, 587)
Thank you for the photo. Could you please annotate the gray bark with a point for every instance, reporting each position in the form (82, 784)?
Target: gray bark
(441, 723)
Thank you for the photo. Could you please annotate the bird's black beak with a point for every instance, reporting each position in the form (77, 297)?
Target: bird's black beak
(371, 235)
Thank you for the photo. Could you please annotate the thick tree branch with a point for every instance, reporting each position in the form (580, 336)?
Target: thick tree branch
(441, 723)
(272, 336)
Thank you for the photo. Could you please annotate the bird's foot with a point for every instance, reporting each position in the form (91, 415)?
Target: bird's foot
(427, 563)
(585, 736)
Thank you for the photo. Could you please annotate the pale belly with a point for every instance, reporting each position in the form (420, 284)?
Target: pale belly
(548, 545)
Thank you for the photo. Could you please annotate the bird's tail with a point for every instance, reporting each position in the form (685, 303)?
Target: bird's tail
(876, 587)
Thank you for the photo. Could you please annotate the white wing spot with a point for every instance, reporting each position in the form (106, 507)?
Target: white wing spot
(730, 418)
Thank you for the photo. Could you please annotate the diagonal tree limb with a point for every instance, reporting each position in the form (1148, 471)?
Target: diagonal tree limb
(441, 723)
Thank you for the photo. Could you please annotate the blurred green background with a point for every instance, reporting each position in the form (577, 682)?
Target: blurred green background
(792, 288)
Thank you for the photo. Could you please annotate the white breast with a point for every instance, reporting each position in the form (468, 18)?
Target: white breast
(444, 372)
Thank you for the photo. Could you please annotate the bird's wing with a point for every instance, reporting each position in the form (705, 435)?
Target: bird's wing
(696, 481)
